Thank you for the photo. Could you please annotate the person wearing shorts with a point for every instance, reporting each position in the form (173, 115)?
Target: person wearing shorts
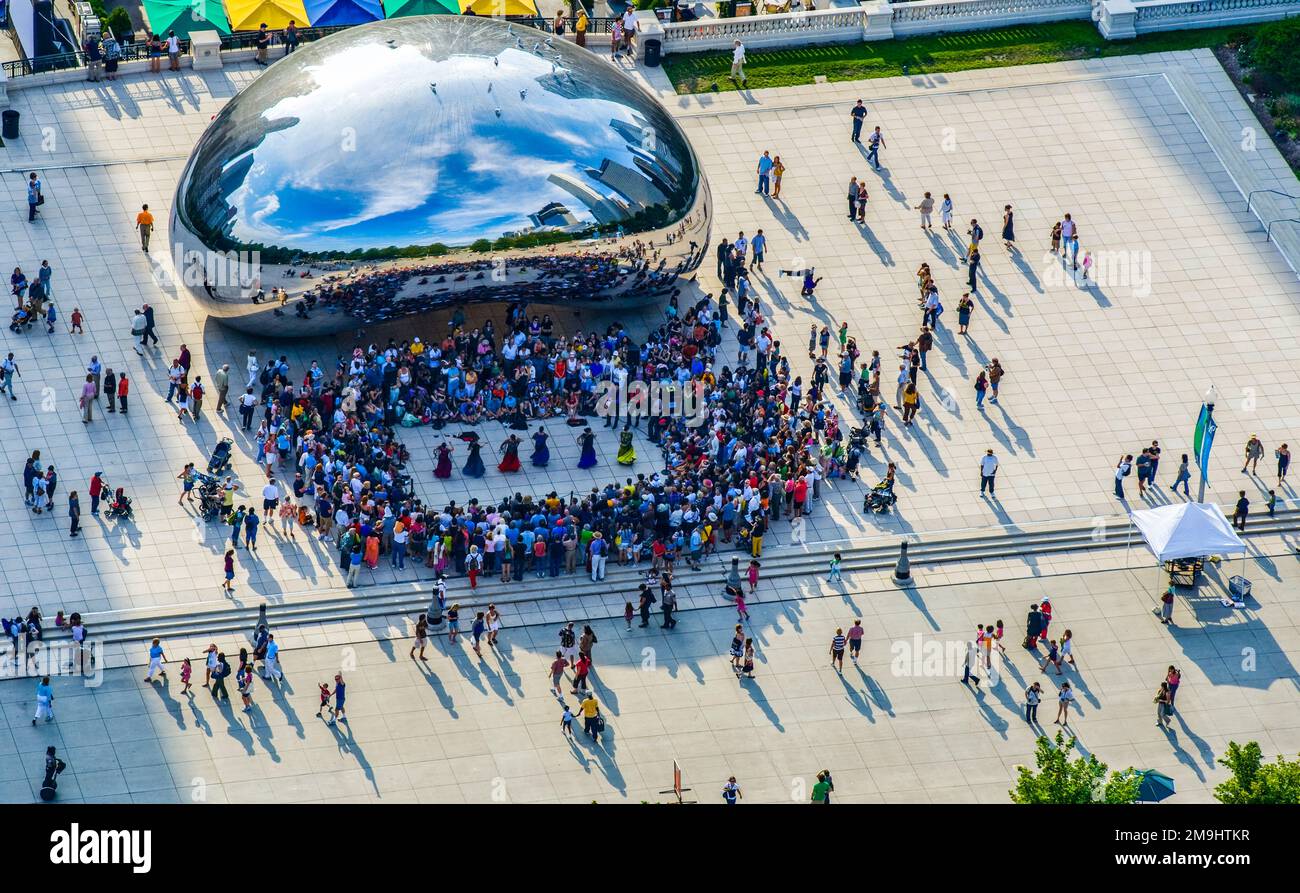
(837, 650)
(855, 640)
(421, 636)
(453, 623)
(557, 672)
(270, 499)
(339, 694)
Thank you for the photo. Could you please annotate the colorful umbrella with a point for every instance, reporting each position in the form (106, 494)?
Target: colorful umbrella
(248, 15)
(185, 17)
(324, 13)
(1155, 786)
(500, 7)
(399, 8)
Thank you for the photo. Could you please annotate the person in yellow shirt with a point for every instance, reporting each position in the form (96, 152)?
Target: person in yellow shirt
(580, 29)
(591, 720)
(144, 223)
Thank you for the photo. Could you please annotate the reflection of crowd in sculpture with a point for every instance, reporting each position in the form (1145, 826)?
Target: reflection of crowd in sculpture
(763, 449)
(390, 293)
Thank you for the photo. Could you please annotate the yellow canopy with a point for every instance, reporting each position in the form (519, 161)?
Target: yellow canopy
(248, 15)
(500, 7)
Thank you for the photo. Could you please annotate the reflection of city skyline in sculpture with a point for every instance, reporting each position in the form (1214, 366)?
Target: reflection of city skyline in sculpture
(458, 151)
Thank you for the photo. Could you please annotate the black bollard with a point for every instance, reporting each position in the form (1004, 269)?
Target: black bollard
(903, 570)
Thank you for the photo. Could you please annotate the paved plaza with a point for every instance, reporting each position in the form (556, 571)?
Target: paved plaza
(1140, 150)
(895, 728)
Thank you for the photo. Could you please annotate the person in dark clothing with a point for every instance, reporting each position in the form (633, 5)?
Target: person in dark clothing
(668, 604)
(1033, 626)
(219, 677)
(148, 326)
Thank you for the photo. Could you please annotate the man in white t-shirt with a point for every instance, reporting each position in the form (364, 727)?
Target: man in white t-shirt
(270, 499)
(988, 469)
(629, 29)
(738, 63)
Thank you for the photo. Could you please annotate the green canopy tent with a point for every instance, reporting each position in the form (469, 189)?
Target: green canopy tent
(185, 17)
(397, 8)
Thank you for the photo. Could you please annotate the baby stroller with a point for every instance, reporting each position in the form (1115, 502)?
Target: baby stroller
(220, 459)
(121, 507)
(210, 497)
(879, 499)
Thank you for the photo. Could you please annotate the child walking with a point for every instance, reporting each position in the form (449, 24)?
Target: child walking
(835, 570)
(741, 611)
(753, 576)
(325, 695)
(627, 615)
(186, 671)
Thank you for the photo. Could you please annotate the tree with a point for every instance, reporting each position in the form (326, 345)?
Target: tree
(1273, 51)
(1254, 781)
(1062, 780)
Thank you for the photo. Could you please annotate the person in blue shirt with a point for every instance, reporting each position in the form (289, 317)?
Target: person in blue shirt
(764, 173)
(44, 701)
(50, 317)
(250, 530)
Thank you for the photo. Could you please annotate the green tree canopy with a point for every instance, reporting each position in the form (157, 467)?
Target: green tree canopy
(1059, 779)
(1254, 781)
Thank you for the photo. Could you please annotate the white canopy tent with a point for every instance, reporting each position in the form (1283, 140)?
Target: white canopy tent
(1187, 530)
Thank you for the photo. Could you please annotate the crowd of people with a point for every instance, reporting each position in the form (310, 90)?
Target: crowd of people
(376, 294)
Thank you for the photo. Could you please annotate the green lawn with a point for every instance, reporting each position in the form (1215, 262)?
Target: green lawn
(1059, 42)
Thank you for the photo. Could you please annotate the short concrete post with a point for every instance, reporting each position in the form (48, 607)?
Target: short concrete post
(1118, 20)
(648, 27)
(205, 50)
(733, 575)
(877, 20)
(903, 570)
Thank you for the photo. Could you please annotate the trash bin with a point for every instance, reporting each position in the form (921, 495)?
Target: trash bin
(653, 48)
(10, 128)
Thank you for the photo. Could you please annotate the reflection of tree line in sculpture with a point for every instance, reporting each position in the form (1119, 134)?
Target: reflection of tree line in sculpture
(372, 297)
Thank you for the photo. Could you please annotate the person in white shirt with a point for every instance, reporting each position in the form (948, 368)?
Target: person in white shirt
(738, 63)
(629, 29)
(988, 469)
(173, 51)
(270, 499)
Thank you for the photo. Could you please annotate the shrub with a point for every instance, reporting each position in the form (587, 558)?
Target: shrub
(1273, 52)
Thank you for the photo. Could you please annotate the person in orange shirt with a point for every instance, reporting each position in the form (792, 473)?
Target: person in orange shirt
(144, 223)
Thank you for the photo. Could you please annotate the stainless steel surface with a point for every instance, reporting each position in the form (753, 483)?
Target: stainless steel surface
(431, 160)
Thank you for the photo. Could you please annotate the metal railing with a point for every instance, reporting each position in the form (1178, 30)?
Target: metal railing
(1279, 220)
(1250, 197)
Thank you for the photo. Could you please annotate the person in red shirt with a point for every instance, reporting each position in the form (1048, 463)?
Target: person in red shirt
(800, 496)
(580, 671)
(123, 388)
(96, 492)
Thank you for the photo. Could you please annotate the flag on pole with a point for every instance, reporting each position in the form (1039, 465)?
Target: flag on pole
(1204, 441)
(1198, 439)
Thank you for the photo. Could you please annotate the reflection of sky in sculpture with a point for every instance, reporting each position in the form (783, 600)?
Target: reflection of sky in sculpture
(344, 146)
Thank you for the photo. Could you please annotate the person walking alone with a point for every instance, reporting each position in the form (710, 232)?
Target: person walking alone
(988, 472)
(144, 223)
